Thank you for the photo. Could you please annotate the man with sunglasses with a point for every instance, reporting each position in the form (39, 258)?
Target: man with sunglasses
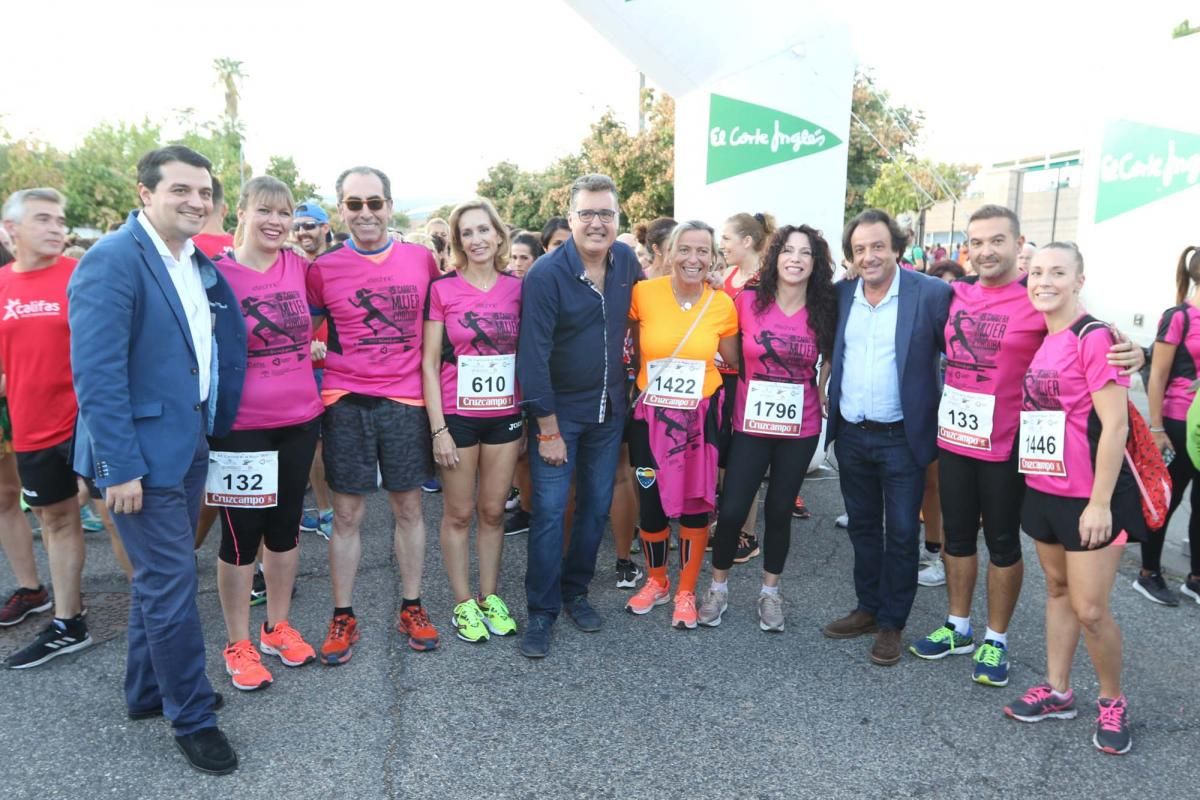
(372, 290)
(574, 314)
(310, 227)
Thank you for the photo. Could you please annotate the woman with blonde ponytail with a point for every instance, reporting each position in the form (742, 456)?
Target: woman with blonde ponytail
(1170, 388)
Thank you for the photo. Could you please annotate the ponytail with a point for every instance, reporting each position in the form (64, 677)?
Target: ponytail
(1187, 273)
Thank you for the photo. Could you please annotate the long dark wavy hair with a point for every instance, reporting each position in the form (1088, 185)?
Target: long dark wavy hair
(820, 299)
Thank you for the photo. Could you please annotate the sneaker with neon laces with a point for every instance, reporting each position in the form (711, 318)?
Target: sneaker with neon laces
(712, 608)
(628, 574)
(650, 595)
(245, 668)
(468, 622)
(945, 641)
(22, 603)
(287, 643)
(414, 622)
(496, 617)
(770, 612)
(932, 574)
(991, 664)
(1112, 734)
(683, 617)
(1042, 702)
(343, 633)
(747, 548)
(90, 520)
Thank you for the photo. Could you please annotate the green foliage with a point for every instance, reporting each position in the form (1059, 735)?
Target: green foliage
(284, 168)
(445, 211)
(895, 193)
(101, 174)
(26, 163)
(400, 221)
(866, 158)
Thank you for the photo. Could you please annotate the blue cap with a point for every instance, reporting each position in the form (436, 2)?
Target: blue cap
(311, 210)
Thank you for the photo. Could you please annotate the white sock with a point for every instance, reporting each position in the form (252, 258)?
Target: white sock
(998, 638)
(722, 586)
(770, 590)
(960, 624)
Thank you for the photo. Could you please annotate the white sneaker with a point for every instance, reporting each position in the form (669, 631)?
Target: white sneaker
(843, 521)
(933, 575)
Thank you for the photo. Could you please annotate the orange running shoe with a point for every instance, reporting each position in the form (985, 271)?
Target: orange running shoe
(414, 622)
(684, 617)
(287, 643)
(650, 595)
(343, 632)
(245, 667)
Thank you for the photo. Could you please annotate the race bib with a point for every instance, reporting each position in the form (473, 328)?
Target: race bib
(773, 408)
(486, 383)
(678, 383)
(242, 480)
(1042, 443)
(965, 418)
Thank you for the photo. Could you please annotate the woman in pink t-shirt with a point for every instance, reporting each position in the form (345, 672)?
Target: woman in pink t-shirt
(1080, 495)
(1172, 373)
(262, 496)
(472, 317)
(786, 324)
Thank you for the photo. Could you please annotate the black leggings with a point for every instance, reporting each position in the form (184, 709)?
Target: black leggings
(651, 516)
(749, 457)
(243, 529)
(1182, 473)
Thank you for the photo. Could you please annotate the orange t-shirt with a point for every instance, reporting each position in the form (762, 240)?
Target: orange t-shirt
(662, 323)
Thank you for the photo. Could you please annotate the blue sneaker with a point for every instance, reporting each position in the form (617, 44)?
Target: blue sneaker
(535, 643)
(90, 519)
(945, 641)
(431, 486)
(991, 664)
(582, 614)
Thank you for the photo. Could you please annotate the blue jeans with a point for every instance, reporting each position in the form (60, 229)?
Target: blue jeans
(880, 478)
(592, 452)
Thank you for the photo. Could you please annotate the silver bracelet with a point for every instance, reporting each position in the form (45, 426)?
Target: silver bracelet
(1158, 430)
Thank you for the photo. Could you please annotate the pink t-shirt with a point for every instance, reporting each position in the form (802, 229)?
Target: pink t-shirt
(477, 324)
(777, 348)
(279, 388)
(991, 336)
(374, 303)
(1180, 326)
(1062, 376)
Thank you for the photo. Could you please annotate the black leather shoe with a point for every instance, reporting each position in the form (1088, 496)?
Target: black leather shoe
(157, 711)
(207, 750)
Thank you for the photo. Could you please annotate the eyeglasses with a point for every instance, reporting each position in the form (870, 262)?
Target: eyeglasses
(589, 214)
(304, 226)
(355, 204)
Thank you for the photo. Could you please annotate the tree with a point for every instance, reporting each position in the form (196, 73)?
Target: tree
(29, 163)
(101, 174)
(896, 193)
(445, 211)
(894, 128)
(284, 168)
(400, 221)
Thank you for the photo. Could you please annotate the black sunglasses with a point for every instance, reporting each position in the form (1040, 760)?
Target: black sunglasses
(373, 203)
(304, 226)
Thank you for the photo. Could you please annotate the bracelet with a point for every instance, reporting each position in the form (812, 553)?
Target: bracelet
(1157, 430)
(548, 437)
(440, 430)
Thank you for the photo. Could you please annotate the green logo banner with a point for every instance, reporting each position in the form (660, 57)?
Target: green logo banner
(743, 137)
(1140, 164)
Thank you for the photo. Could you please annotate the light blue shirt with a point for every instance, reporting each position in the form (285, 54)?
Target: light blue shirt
(870, 380)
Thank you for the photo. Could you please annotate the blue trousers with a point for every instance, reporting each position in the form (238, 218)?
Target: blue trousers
(880, 478)
(165, 664)
(592, 452)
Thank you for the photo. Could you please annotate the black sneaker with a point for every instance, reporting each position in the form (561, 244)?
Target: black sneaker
(1112, 727)
(52, 642)
(513, 502)
(258, 590)
(628, 574)
(1154, 589)
(1191, 587)
(747, 548)
(518, 522)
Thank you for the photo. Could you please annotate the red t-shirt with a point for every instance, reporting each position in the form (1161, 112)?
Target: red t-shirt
(213, 244)
(35, 351)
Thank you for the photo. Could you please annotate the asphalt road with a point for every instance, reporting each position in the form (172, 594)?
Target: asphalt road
(637, 710)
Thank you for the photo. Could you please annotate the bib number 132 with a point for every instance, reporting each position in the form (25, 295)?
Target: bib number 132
(242, 480)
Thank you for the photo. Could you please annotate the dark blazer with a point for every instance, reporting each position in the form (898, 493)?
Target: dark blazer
(134, 364)
(923, 306)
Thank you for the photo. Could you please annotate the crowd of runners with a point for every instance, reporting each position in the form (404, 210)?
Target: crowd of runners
(178, 375)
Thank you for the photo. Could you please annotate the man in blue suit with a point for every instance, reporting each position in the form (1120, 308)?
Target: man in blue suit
(158, 355)
(883, 400)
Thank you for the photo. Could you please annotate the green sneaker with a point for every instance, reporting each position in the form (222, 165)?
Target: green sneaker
(991, 664)
(945, 641)
(468, 622)
(496, 616)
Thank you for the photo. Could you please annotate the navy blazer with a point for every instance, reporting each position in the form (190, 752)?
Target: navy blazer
(924, 305)
(134, 364)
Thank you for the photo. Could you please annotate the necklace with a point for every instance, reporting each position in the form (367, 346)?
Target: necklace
(684, 305)
(486, 283)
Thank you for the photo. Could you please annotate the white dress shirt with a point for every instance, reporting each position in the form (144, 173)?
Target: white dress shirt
(870, 381)
(185, 275)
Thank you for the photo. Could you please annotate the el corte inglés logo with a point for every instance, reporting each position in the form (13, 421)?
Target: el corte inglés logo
(743, 137)
(1140, 164)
